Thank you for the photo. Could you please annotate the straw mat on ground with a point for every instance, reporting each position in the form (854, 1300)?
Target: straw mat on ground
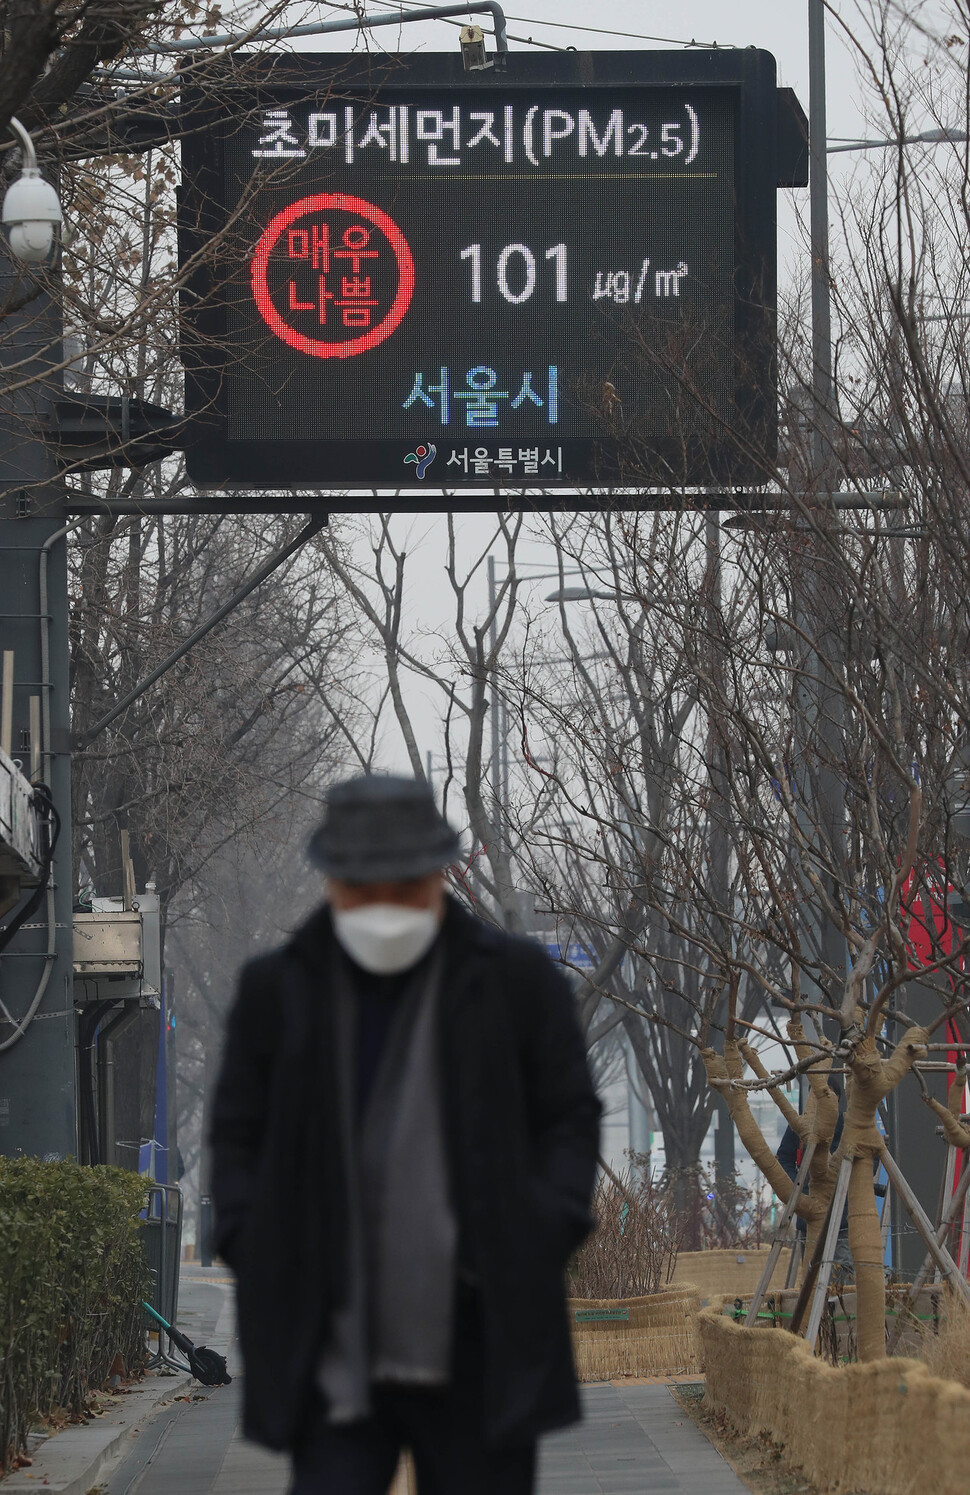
(657, 1336)
(886, 1426)
(735, 1272)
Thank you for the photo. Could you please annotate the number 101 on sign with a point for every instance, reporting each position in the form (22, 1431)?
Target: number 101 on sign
(518, 271)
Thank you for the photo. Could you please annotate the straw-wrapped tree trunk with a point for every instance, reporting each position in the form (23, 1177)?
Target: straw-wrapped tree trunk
(871, 1080)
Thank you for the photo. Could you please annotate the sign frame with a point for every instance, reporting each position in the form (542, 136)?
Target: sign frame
(766, 139)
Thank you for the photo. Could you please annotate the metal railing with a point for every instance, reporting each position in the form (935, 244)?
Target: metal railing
(162, 1242)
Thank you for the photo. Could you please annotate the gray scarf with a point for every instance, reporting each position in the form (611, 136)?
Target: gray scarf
(401, 1236)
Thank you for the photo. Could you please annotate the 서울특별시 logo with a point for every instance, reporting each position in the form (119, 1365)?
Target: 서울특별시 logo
(422, 457)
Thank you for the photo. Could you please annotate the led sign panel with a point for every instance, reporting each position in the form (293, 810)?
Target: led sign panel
(556, 273)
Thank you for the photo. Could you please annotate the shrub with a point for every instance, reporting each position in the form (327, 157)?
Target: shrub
(633, 1249)
(72, 1274)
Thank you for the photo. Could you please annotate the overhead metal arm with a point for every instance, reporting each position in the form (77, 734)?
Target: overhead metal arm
(355, 23)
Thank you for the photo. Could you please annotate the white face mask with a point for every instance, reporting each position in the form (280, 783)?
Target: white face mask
(385, 938)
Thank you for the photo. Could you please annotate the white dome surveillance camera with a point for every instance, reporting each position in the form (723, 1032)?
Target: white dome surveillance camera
(31, 208)
(31, 212)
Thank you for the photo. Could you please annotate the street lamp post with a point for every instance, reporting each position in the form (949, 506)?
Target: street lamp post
(926, 137)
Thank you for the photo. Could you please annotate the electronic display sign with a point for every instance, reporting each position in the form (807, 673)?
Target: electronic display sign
(553, 274)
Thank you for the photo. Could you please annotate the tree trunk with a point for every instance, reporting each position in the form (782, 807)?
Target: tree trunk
(872, 1079)
(865, 1243)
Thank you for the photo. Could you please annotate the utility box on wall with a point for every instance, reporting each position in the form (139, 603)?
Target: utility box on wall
(20, 831)
(108, 944)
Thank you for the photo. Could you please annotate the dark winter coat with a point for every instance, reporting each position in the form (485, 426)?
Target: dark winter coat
(521, 1120)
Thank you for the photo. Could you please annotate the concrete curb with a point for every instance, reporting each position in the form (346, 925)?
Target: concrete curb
(75, 1460)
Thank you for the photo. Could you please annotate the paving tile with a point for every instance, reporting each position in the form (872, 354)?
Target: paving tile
(638, 1441)
(635, 1485)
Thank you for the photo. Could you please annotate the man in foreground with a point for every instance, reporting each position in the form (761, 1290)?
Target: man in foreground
(404, 1142)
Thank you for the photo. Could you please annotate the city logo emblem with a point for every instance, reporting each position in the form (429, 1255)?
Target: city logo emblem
(423, 456)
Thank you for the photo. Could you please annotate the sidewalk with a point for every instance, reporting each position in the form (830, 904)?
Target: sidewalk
(633, 1438)
(73, 1461)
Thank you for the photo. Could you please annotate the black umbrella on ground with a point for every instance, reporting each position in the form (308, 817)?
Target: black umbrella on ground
(208, 1366)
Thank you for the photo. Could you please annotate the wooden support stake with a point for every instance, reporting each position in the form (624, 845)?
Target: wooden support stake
(964, 1261)
(127, 874)
(921, 1220)
(946, 1193)
(35, 772)
(839, 1195)
(946, 1185)
(6, 704)
(811, 1273)
(958, 1202)
(795, 1260)
(781, 1235)
(885, 1219)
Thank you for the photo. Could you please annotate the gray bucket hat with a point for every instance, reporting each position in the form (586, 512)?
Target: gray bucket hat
(379, 828)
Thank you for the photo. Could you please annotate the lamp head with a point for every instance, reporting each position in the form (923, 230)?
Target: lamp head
(31, 212)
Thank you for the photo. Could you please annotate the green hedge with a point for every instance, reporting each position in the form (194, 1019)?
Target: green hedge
(72, 1273)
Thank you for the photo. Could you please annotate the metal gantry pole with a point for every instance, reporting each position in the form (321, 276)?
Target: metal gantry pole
(38, 1069)
(819, 227)
(816, 602)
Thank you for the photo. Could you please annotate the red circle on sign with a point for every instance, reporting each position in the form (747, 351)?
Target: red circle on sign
(329, 202)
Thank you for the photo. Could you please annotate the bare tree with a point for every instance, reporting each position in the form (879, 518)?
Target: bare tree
(829, 694)
(242, 722)
(553, 841)
(466, 669)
